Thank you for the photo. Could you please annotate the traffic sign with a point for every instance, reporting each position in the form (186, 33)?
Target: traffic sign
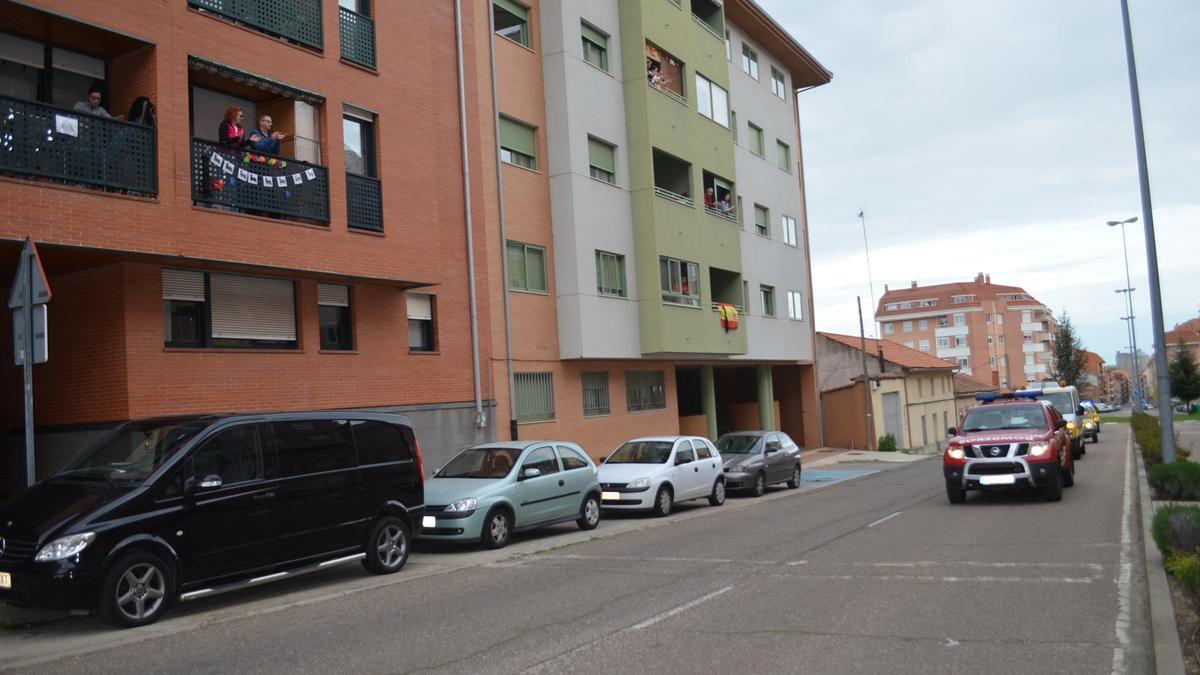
(30, 266)
(40, 342)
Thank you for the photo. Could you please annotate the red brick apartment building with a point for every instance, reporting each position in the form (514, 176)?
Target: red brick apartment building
(994, 333)
(193, 276)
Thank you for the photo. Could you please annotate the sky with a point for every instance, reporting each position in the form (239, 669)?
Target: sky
(997, 136)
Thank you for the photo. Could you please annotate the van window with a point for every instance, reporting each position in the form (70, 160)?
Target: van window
(312, 446)
(233, 454)
(379, 442)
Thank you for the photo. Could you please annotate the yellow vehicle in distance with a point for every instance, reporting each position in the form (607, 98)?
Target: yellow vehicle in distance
(1091, 420)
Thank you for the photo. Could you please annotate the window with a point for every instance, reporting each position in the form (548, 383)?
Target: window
(421, 334)
(749, 61)
(1003, 361)
(992, 361)
(224, 310)
(664, 72)
(535, 396)
(768, 300)
(987, 318)
(595, 47)
(989, 340)
(312, 446)
(526, 267)
(680, 281)
(783, 155)
(333, 308)
(960, 341)
(762, 220)
(233, 455)
(1029, 359)
(999, 319)
(921, 387)
(789, 231)
(943, 343)
(964, 363)
(610, 274)
(1028, 337)
(542, 459)
(1026, 316)
(756, 140)
(702, 450)
(1001, 339)
(778, 87)
(889, 328)
(571, 459)
(745, 297)
(890, 307)
(712, 101)
(909, 344)
(923, 324)
(595, 394)
(924, 344)
(943, 322)
(906, 305)
(907, 326)
(379, 442)
(518, 144)
(645, 390)
(602, 160)
(358, 141)
(511, 20)
(184, 308)
(741, 218)
(960, 319)
(684, 454)
(795, 306)
(728, 48)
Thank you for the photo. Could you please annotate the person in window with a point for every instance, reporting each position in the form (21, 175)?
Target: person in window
(710, 199)
(142, 112)
(231, 132)
(265, 140)
(92, 105)
(726, 204)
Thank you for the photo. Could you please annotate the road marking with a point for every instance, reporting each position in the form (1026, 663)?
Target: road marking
(968, 563)
(794, 563)
(950, 643)
(682, 608)
(633, 558)
(939, 579)
(885, 519)
(1126, 569)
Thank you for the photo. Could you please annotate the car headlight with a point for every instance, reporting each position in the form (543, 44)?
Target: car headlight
(462, 505)
(1039, 449)
(65, 547)
(955, 452)
(1089, 424)
(639, 484)
(1071, 426)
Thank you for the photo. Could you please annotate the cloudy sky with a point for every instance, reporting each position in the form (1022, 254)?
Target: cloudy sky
(996, 136)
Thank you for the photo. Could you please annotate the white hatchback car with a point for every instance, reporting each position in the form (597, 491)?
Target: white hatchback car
(655, 472)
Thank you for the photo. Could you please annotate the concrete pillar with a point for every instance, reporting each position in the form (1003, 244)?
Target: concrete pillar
(708, 400)
(766, 398)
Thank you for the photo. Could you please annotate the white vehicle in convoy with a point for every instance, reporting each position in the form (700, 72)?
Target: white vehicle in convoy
(655, 472)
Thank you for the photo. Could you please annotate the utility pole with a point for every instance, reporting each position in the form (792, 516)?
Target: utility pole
(862, 336)
(1165, 421)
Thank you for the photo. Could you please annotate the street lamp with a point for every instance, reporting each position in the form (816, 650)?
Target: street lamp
(1128, 291)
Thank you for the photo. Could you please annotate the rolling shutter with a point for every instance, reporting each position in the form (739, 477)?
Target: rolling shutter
(516, 10)
(594, 35)
(22, 51)
(252, 308)
(183, 285)
(420, 306)
(335, 295)
(600, 155)
(518, 137)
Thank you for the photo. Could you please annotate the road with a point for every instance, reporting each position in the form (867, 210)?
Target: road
(875, 574)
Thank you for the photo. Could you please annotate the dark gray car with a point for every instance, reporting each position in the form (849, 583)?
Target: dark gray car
(755, 459)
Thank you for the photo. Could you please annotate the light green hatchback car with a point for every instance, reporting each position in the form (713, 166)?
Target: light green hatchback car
(491, 490)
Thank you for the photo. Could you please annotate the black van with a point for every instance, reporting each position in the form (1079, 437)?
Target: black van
(185, 507)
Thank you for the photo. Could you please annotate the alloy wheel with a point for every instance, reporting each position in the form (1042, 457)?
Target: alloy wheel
(499, 527)
(591, 512)
(391, 546)
(141, 591)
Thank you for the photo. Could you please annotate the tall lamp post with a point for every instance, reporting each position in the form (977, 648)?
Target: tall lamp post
(1166, 422)
(1132, 331)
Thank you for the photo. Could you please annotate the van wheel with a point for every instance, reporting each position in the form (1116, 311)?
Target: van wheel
(497, 529)
(137, 590)
(1075, 451)
(589, 513)
(717, 496)
(387, 546)
(1082, 447)
(663, 501)
(794, 482)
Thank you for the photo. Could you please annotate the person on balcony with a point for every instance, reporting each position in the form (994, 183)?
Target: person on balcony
(231, 132)
(265, 140)
(726, 205)
(92, 105)
(710, 199)
(142, 112)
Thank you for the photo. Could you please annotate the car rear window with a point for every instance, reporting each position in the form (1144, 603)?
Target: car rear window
(379, 442)
(312, 446)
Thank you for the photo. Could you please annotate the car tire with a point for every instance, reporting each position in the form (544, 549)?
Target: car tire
(497, 529)
(589, 513)
(717, 496)
(1069, 476)
(760, 485)
(794, 481)
(388, 544)
(1075, 453)
(138, 589)
(664, 500)
(956, 495)
(1082, 447)
(1053, 491)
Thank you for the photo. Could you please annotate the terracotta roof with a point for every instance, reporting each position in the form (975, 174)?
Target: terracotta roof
(893, 352)
(966, 385)
(1182, 332)
(1092, 362)
(944, 294)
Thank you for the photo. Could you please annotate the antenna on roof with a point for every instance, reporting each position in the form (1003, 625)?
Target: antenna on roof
(867, 249)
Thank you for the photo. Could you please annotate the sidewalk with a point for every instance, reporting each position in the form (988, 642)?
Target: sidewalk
(832, 456)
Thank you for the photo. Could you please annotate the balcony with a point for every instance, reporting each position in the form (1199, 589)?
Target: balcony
(710, 17)
(64, 146)
(356, 33)
(1033, 327)
(950, 331)
(953, 352)
(252, 182)
(364, 203)
(1033, 347)
(672, 178)
(718, 197)
(1036, 369)
(295, 20)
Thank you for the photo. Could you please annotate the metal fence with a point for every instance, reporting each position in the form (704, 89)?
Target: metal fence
(364, 203)
(595, 394)
(297, 20)
(645, 390)
(258, 183)
(535, 396)
(76, 148)
(357, 35)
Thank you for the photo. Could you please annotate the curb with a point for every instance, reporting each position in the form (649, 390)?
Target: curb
(1168, 653)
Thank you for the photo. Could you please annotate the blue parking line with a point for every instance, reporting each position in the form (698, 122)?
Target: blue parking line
(832, 476)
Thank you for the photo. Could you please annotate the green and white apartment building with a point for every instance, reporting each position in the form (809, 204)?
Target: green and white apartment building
(650, 171)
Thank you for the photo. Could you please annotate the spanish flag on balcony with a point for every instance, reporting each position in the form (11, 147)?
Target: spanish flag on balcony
(729, 316)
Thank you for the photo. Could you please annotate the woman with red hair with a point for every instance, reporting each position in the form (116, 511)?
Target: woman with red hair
(231, 132)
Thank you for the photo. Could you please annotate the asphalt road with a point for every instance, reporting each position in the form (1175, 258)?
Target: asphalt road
(875, 575)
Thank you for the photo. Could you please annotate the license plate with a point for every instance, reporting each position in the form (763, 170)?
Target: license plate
(5, 580)
(997, 480)
(428, 521)
(610, 496)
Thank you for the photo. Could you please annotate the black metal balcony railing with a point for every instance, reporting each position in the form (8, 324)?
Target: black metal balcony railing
(357, 34)
(296, 20)
(254, 182)
(38, 140)
(364, 203)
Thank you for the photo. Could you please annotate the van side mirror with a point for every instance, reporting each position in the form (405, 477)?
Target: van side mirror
(1079, 410)
(530, 473)
(210, 482)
